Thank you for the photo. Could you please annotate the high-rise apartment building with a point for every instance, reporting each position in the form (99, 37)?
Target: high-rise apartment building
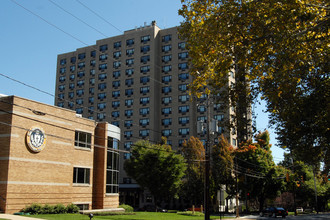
(137, 81)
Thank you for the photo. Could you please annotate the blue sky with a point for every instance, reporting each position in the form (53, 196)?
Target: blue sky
(34, 32)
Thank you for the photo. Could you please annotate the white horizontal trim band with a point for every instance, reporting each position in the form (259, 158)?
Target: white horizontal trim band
(35, 161)
(34, 183)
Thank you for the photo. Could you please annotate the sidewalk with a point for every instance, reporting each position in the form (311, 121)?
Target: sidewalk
(16, 217)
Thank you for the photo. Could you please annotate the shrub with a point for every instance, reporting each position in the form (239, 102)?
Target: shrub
(33, 209)
(127, 208)
(47, 209)
(60, 208)
(72, 208)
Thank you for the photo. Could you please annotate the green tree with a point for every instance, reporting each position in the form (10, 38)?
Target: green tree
(258, 175)
(276, 48)
(157, 168)
(193, 183)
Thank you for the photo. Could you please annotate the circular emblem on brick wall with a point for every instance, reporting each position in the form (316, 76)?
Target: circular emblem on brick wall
(36, 139)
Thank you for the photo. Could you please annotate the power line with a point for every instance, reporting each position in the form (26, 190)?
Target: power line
(99, 16)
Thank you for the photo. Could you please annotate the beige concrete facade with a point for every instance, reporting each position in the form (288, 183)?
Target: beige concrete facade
(152, 64)
(63, 171)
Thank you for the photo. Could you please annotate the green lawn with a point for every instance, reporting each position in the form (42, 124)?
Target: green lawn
(136, 216)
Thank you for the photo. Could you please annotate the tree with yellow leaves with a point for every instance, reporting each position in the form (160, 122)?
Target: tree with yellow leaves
(278, 49)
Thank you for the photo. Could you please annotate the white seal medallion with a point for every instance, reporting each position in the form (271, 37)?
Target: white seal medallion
(36, 139)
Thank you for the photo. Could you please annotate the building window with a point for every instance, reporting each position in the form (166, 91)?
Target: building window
(217, 107)
(100, 116)
(166, 100)
(116, 74)
(101, 106)
(71, 95)
(92, 81)
(62, 70)
(145, 59)
(167, 38)
(81, 56)
(166, 69)
(101, 96)
(92, 72)
(144, 69)
(202, 118)
(116, 64)
(126, 157)
(103, 66)
(166, 111)
(183, 76)
(117, 45)
(83, 139)
(92, 63)
(60, 104)
(201, 108)
(144, 90)
(166, 121)
(128, 123)
(145, 39)
(63, 61)
(61, 88)
(91, 100)
(129, 113)
(81, 175)
(130, 61)
(102, 86)
(128, 102)
(79, 110)
(130, 52)
(166, 89)
(72, 68)
(115, 123)
(183, 120)
(115, 104)
(80, 92)
(81, 74)
(129, 82)
(183, 87)
(144, 133)
(128, 134)
(103, 57)
(93, 53)
(71, 86)
(80, 83)
(116, 54)
(167, 79)
(61, 79)
(71, 104)
(73, 60)
(112, 184)
(183, 55)
(103, 48)
(79, 101)
(144, 111)
(127, 145)
(145, 49)
(116, 94)
(144, 100)
(144, 79)
(115, 114)
(183, 66)
(129, 72)
(184, 98)
(219, 117)
(61, 96)
(166, 132)
(166, 58)
(144, 122)
(81, 65)
(182, 45)
(166, 48)
(129, 42)
(184, 131)
(184, 109)
(128, 92)
(115, 84)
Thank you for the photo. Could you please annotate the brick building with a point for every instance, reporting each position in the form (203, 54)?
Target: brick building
(50, 155)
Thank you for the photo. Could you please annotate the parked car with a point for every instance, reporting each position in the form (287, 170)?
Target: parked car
(274, 212)
(299, 209)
